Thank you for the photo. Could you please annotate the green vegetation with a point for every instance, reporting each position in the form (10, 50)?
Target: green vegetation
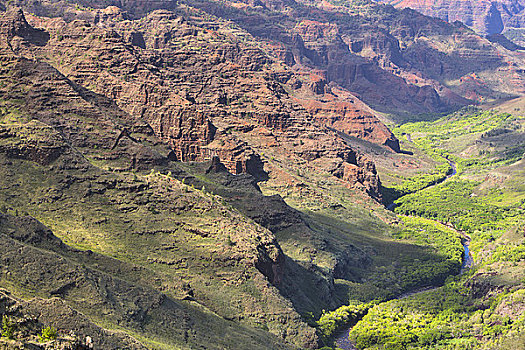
(439, 258)
(454, 202)
(479, 309)
(491, 141)
(115, 204)
(8, 327)
(331, 322)
(468, 121)
(509, 252)
(471, 137)
(445, 240)
(469, 129)
(447, 318)
(48, 334)
(420, 181)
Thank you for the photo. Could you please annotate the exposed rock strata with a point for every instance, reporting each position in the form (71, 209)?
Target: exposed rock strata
(185, 108)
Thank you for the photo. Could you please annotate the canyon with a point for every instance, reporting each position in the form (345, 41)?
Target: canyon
(208, 174)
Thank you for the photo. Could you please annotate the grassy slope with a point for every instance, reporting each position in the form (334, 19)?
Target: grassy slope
(199, 265)
(41, 266)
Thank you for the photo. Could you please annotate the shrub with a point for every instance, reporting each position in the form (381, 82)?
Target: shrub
(8, 327)
(48, 333)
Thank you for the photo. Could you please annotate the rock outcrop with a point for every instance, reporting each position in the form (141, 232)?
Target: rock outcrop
(348, 119)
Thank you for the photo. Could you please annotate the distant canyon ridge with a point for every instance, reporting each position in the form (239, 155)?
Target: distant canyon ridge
(485, 17)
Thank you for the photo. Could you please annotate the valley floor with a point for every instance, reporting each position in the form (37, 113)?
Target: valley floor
(480, 308)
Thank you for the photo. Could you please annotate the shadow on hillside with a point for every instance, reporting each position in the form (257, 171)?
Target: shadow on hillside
(394, 263)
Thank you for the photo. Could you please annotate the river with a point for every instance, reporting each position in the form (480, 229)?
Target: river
(342, 341)
(468, 260)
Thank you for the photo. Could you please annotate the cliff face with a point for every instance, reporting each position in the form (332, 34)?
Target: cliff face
(397, 62)
(345, 115)
(485, 17)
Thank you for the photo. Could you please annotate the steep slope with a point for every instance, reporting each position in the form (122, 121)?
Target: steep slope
(196, 102)
(430, 53)
(182, 253)
(65, 134)
(397, 62)
(108, 291)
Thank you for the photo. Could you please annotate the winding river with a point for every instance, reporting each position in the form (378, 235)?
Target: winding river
(342, 341)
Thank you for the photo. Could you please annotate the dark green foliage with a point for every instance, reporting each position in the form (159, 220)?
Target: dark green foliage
(439, 139)
(438, 255)
(454, 202)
